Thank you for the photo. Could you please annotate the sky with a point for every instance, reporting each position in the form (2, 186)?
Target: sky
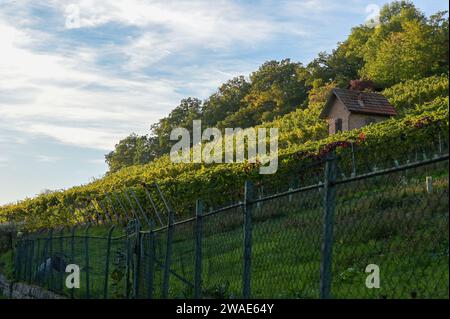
(77, 76)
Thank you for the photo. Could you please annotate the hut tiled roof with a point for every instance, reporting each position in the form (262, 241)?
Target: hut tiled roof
(360, 102)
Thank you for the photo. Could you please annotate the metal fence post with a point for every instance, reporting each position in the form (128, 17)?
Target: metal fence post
(198, 249)
(137, 264)
(108, 253)
(26, 258)
(353, 160)
(151, 263)
(248, 205)
(30, 250)
(51, 258)
(86, 256)
(36, 258)
(328, 220)
(128, 269)
(166, 278)
(72, 255)
(61, 251)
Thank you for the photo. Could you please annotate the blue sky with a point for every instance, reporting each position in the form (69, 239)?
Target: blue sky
(77, 76)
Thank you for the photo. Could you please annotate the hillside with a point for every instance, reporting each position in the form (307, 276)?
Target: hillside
(183, 183)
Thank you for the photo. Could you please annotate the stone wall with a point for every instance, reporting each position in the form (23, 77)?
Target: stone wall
(24, 291)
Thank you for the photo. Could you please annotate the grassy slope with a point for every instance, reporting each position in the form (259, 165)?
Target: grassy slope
(390, 221)
(410, 244)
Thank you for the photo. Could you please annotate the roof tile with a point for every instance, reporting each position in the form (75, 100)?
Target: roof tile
(372, 103)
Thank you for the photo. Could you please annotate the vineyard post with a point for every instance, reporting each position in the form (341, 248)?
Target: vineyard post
(140, 207)
(135, 214)
(248, 205)
(165, 292)
(198, 249)
(104, 210)
(155, 209)
(118, 218)
(328, 220)
(122, 207)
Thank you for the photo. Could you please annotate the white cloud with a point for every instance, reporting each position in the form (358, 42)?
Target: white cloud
(47, 159)
(96, 161)
(85, 137)
(51, 88)
(60, 87)
(213, 23)
(65, 94)
(3, 161)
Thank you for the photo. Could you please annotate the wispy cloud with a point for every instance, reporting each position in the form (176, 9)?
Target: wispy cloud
(3, 161)
(47, 158)
(71, 96)
(96, 161)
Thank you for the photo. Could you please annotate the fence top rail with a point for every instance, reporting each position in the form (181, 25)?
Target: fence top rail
(70, 237)
(392, 170)
(288, 192)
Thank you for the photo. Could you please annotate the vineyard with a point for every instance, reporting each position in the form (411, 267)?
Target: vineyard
(183, 182)
(130, 246)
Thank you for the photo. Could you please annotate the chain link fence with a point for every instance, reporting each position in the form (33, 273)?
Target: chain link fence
(361, 223)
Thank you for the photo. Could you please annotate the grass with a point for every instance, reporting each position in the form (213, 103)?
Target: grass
(6, 264)
(390, 221)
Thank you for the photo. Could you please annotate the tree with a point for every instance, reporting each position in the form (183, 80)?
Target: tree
(228, 99)
(403, 9)
(133, 150)
(344, 63)
(402, 56)
(188, 110)
(440, 40)
(392, 19)
(276, 88)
